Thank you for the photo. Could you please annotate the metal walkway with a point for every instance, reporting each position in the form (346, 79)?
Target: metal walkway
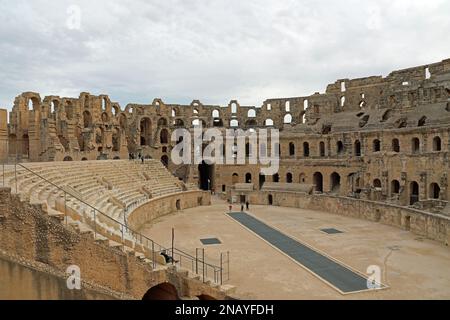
(339, 276)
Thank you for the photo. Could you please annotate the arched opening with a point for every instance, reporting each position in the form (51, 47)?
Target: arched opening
(247, 150)
(377, 183)
(217, 123)
(105, 117)
(357, 148)
(339, 147)
(322, 148)
(251, 123)
(414, 192)
(335, 180)
(422, 121)
(287, 106)
(318, 182)
(234, 123)
(435, 191)
(291, 149)
(288, 119)
(437, 144)
(248, 178)
(178, 204)
(162, 122)
(216, 113)
(415, 145)
(270, 199)
(68, 158)
(87, 119)
(262, 180)
(164, 136)
(146, 131)
(276, 177)
(305, 149)
(395, 187)
(234, 107)
(289, 177)
(301, 178)
(235, 178)
(251, 113)
(165, 160)
(395, 145)
(376, 145)
(163, 291)
(84, 159)
(116, 158)
(269, 123)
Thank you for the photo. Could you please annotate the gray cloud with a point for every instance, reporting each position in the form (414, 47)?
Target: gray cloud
(214, 51)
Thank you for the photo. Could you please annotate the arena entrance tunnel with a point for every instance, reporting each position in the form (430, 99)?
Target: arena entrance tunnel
(206, 176)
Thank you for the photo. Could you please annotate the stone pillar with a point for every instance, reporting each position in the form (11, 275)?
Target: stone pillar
(3, 135)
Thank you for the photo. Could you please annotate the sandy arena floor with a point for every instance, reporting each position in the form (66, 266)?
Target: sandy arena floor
(412, 267)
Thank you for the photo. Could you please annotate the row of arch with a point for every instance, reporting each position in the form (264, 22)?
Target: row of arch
(376, 147)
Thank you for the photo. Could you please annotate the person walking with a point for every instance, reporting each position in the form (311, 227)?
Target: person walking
(242, 207)
(247, 205)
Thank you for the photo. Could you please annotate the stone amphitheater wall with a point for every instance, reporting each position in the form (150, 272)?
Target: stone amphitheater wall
(36, 246)
(424, 224)
(161, 206)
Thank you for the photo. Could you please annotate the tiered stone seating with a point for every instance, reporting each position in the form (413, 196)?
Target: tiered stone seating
(113, 188)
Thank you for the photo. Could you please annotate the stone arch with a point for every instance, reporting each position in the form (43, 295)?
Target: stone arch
(276, 177)
(68, 158)
(235, 178)
(251, 123)
(162, 291)
(322, 149)
(291, 149)
(234, 123)
(269, 123)
(435, 191)
(302, 178)
(318, 181)
(25, 145)
(377, 183)
(87, 119)
(145, 128)
(305, 149)
(376, 145)
(335, 182)
(179, 123)
(437, 144)
(287, 119)
(395, 145)
(162, 122)
(395, 187)
(251, 113)
(215, 113)
(248, 178)
(357, 148)
(289, 178)
(164, 136)
(415, 145)
(413, 192)
(339, 147)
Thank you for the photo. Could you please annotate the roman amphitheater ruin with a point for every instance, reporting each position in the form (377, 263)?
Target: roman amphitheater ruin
(369, 157)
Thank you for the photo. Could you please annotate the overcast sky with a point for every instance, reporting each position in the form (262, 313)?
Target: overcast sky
(211, 50)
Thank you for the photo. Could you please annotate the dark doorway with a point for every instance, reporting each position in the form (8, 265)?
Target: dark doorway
(262, 179)
(205, 173)
(165, 160)
(414, 190)
(270, 198)
(163, 291)
(318, 181)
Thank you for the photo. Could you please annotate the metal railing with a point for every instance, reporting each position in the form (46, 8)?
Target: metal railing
(179, 258)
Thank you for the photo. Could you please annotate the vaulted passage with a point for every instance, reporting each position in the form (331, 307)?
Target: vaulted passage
(163, 291)
(206, 176)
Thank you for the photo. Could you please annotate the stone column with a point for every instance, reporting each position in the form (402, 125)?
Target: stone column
(3, 135)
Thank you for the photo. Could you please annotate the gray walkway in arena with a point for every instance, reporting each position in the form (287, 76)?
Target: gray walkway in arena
(336, 274)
